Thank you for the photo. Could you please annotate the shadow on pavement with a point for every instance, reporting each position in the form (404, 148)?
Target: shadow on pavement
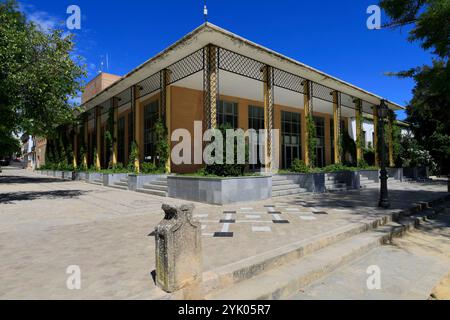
(355, 200)
(21, 180)
(8, 198)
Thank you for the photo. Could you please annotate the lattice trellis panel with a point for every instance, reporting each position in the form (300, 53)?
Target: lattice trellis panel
(149, 85)
(241, 65)
(347, 101)
(367, 107)
(321, 92)
(105, 106)
(210, 86)
(186, 66)
(288, 81)
(124, 97)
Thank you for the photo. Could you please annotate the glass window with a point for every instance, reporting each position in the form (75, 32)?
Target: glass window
(332, 140)
(319, 123)
(150, 119)
(256, 122)
(121, 140)
(227, 113)
(290, 131)
(130, 132)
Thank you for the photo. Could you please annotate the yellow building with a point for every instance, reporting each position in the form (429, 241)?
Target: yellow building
(214, 76)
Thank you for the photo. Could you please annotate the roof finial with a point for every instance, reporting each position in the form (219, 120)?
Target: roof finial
(205, 11)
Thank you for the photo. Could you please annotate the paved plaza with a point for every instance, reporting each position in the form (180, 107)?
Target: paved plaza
(47, 225)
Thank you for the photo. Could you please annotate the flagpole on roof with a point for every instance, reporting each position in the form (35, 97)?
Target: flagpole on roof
(205, 11)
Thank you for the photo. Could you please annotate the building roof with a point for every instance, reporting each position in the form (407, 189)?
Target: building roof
(209, 33)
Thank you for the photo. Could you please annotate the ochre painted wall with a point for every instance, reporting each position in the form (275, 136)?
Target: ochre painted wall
(187, 107)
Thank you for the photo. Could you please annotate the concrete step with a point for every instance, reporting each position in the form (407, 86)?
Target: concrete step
(115, 186)
(153, 192)
(151, 186)
(124, 180)
(281, 178)
(285, 187)
(97, 182)
(122, 183)
(288, 279)
(282, 182)
(370, 185)
(160, 182)
(282, 193)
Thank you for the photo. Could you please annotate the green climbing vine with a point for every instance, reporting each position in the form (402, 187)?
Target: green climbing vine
(162, 147)
(312, 140)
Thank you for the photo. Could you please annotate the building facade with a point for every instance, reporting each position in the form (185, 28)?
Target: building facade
(215, 77)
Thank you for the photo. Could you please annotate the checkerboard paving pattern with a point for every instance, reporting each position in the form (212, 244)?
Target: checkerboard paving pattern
(259, 220)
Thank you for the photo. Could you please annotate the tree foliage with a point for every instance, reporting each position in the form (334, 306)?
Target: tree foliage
(429, 110)
(39, 75)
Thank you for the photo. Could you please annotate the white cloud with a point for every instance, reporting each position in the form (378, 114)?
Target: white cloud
(42, 19)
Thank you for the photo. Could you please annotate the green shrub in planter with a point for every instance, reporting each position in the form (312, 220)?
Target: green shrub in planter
(299, 166)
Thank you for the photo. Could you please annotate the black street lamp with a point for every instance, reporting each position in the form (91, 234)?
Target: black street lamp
(382, 114)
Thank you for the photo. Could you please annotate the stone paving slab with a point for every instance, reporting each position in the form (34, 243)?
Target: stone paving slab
(48, 224)
(409, 268)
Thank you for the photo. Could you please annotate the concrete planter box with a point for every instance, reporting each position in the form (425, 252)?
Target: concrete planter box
(81, 176)
(350, 178)
(312, 182)
(59, 174)
(94, 176)
(416, 173)
(395, 173)
(111, 178)
(68, 175)
(220, 190)
(371, 174)
(137, 181)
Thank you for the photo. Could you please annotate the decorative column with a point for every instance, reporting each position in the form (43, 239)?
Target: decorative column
(359, 150)
(136, 107)
(75, 147)
(375, 136)
(337, 127)
(391, 118)
(307, 99)
(98, 143)
(165, 111)
(268, 114)
(115, 130)
(210, 86)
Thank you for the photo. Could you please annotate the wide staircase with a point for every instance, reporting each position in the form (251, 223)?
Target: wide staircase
(284, 272)
(122, 184)
(283, 186)
(367, 181)
(333, 184)
(157, 187)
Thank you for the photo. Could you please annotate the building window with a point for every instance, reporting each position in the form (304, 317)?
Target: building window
(290, 132)
(130, 132)
(333, 161)
(363, 138)
(121, 140)
(320, 145)
(150, 119)
(256, 122)
(227, 114)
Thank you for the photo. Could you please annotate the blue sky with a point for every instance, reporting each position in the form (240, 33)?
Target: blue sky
(329, 35)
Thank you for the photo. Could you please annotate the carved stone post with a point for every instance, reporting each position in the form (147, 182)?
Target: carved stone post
(178, 249)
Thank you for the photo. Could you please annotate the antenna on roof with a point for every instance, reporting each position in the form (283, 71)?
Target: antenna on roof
(205, 11)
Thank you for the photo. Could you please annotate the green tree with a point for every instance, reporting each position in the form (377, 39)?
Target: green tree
(429, 110)
(39, 76)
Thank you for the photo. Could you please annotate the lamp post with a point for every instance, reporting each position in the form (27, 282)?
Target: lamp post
(382, 114)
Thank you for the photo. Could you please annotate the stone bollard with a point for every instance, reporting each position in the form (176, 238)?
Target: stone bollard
(178, 249)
